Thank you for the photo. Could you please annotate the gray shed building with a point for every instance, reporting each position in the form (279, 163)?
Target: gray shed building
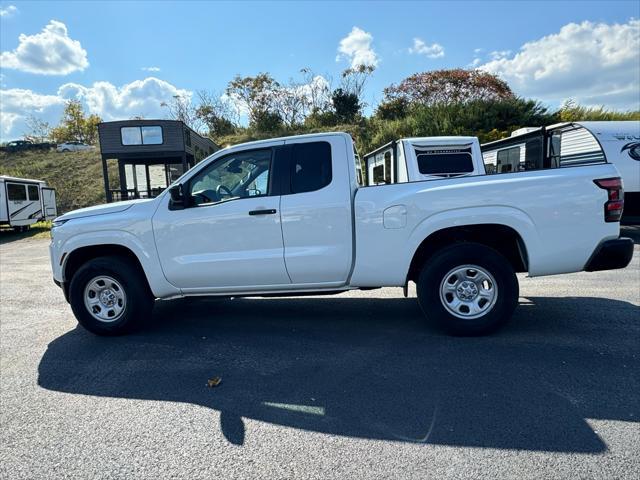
(151, 154)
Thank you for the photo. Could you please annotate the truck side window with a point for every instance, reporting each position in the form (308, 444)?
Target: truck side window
(310, 166)
(34, 194)
(238, 175)
(16, 192)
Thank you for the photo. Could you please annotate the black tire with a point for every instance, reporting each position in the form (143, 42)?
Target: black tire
(432, 277)
(138, 303)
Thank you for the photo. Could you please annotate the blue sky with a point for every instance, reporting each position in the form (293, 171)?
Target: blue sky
(202, 45)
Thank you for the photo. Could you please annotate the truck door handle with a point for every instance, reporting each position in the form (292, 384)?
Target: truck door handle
(270, 211)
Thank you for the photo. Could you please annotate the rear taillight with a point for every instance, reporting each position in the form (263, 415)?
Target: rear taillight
(615, 204)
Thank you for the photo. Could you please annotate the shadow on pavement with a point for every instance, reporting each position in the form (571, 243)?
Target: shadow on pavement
(631, 231)
(371, 368)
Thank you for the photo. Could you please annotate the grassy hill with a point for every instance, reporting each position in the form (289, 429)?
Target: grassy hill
(76, 176)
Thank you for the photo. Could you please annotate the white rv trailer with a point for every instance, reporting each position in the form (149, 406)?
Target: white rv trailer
(570, 144)
(24, 201)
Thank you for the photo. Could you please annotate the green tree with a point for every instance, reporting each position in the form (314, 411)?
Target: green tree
(346, 105)
(570, 111)
(267, 121)
(257, 94)
(216, 113)
(75, 125)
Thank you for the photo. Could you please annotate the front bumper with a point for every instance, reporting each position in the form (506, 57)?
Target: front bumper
(611, 254)
(63, 286)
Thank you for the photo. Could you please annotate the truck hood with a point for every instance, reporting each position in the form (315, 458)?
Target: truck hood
(102, 209)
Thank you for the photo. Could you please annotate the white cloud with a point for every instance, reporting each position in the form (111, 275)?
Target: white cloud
(499, 54)
(150, 69)
(8, 11)
(50, 52)
(435, 50)
(356, 47)
(595, 63)
(17, 103)
(7, 122)
(138, 98)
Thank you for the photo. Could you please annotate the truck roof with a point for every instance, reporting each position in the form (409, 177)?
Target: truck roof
(307, 135)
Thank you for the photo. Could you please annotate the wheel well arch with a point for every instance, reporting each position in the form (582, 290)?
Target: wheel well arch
(78, 257)
(500, 237)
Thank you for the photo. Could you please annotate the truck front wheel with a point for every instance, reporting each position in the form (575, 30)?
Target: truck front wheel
(468, 289)
(109, 296)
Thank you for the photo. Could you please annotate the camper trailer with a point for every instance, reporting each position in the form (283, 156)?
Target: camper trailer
(24, 202)
(437, 157)
(571, 144)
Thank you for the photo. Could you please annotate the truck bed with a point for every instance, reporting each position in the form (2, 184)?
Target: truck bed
(558, 213)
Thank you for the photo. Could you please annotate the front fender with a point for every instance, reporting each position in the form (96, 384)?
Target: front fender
(143, 249)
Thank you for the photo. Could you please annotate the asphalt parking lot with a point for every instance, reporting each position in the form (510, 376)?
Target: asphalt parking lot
(351, 386)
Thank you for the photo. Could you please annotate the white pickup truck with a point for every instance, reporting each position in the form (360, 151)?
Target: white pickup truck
(291, 216)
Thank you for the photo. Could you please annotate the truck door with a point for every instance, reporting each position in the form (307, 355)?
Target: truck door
(49, 207)
(229, 237)
(316, 211)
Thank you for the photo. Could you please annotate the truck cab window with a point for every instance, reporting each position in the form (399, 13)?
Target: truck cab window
(310, 166)
(240, 175)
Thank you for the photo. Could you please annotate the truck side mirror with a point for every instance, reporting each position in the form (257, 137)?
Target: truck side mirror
(177, 199)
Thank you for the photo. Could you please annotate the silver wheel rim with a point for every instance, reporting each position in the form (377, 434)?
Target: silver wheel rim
(468, 292)
(105, 299)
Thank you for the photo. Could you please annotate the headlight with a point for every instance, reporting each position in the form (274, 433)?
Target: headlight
(58, 223)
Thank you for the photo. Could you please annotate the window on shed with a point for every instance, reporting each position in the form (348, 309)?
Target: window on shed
(310, 166)
(34, 192)
(131, 136)
(16, 192)
(187, 137)
(152, 135)
(147, 135)
(445, 162)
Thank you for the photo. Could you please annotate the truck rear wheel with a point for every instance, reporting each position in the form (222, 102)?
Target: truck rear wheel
(468, 289)
(108, 296)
